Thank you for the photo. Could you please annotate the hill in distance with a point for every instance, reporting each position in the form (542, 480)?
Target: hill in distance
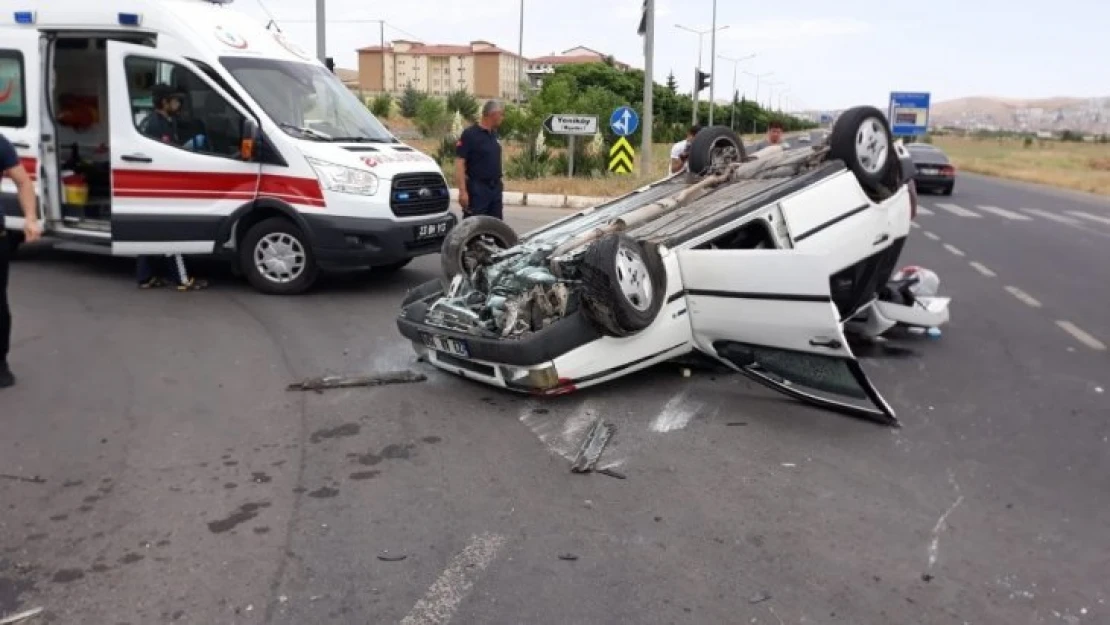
(1088, 115)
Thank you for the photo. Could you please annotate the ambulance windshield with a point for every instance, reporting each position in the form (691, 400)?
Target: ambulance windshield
(307, 101)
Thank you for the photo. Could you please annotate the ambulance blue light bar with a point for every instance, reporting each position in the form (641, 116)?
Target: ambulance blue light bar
(130, 19)
(24, 17)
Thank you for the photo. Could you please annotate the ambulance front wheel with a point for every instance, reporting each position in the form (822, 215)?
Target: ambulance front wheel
(277, 259)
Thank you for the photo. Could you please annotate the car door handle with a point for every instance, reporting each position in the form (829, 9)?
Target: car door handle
(830, 343)
(882, 238)
(137, 158)
(22, 145)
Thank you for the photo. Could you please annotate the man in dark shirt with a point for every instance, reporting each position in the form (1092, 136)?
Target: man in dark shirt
(478, 164)
(161, 125)
(11, 167)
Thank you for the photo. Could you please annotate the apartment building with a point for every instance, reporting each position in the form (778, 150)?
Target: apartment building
(540, 67)
(480, 68)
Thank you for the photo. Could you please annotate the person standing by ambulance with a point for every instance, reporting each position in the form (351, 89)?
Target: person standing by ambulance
(11, 167)
(478, 165)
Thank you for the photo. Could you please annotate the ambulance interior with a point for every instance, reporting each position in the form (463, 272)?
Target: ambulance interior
(79, 110)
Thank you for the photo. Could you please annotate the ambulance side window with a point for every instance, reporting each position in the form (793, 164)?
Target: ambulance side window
(13, 99)
(205, 123)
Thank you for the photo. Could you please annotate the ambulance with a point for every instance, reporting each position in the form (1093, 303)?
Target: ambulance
(274, 166)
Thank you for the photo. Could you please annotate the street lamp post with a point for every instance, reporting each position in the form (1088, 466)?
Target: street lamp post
(701, 34)
(735, 65)
(771, 95)
(321, 32)
(522, 76)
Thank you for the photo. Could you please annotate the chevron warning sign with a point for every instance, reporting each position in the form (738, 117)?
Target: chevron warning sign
(621, 156)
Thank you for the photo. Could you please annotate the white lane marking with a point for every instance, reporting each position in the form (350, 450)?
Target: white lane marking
(1024, 297)
(676, 414)
(959, 211)
(914, 225)
(1100, 219)
(1002, 212)
(1051, 216)
(983, 269)
(952, 248)
(444, 596)
(931, 236)
(921, 210)
(1080, 335)
(555, 432)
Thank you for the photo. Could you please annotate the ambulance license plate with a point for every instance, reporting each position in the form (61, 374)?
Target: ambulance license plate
(455, 347)
(431, 231)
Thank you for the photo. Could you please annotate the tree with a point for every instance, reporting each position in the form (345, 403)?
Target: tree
(382, 105)
(432, 119)
(411, 100)
(672, 83)
(464, 103)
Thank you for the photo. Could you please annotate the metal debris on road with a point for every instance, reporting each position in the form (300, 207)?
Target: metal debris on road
(570, 557)
(23, 478)
(385, 557)
(613, 473)
(759, 597)
(22, 616)
(588, 454)
(341, 381)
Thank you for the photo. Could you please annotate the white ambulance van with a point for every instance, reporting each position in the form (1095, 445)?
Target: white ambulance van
(274, 164)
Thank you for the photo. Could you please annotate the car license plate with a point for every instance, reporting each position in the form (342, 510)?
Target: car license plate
(431, 231)
(455, 347)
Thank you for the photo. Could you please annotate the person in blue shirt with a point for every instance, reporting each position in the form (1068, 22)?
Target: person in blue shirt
(478, 165)
(11, 167)
(161, 125)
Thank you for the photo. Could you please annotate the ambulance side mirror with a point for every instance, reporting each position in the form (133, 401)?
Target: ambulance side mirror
(250, 141)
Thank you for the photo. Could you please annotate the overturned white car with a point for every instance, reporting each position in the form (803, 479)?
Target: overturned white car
(755, 261)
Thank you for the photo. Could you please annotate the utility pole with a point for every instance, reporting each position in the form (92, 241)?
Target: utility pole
(321, 32)
(712, 64)
(521, 75)
(381, 35)
(649, 87)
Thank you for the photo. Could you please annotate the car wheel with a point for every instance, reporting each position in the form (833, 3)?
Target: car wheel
(277, 258)
(713, 148)
(862, 139)
(470, 244)
(624, 284)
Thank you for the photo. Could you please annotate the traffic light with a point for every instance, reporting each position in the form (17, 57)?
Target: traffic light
(702, 80)
(330, 62)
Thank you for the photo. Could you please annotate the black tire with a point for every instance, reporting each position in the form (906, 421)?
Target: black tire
(280, 227)
(392, 267)
(457, 243)
(848, 134)
(710, 144)
(604, 302)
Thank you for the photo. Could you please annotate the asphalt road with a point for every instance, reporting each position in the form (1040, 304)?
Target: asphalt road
(179, 482)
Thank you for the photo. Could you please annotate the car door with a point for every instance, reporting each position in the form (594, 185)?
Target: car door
(770, 314)
(20, 86)
(172, 194)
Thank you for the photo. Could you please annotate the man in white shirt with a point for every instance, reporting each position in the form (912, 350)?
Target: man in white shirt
(681, 150)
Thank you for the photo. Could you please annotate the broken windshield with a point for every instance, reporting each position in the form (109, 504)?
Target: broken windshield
(306, 100)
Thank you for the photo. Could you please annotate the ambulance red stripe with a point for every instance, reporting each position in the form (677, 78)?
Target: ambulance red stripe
(208, 185)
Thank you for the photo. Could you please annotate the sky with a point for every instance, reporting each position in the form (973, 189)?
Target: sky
(824, 55)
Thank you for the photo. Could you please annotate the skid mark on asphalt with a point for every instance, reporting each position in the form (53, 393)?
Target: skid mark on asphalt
(442, 600)
(1002, 212)
(1023, 297)
(1081, 335)
(676, 414)
(952, 248)
(983, 269)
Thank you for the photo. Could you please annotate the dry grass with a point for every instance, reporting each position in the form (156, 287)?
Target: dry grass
(1077, 166)
(607, 186)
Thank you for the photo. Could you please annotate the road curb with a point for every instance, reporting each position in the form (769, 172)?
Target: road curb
(545, 200)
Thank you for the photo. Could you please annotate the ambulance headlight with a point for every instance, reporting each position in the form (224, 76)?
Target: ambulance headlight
(343, 179)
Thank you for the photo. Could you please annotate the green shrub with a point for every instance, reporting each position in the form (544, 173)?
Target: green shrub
(411, 100)
(432, 119)
(464, 103)
(382, 105)
(445, 152)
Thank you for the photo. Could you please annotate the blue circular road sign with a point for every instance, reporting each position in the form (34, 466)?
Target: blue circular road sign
(624, 121)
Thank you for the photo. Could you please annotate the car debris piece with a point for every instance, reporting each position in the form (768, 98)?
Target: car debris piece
(613, 473)
(588, 454)
(341, 381)
(759, 597)
(386, 557)
(568, 556)
(23, 478)
(22, 616)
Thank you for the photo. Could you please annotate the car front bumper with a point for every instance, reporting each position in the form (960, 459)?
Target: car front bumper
(354, 242)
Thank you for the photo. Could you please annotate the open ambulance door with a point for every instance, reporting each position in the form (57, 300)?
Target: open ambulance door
(770, 315)
(20, 114)
(171, 195)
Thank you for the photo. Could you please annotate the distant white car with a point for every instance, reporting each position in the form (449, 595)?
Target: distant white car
(756, 261)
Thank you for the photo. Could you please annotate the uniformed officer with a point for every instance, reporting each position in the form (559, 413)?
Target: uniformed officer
(478, 164)
(28, 204)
